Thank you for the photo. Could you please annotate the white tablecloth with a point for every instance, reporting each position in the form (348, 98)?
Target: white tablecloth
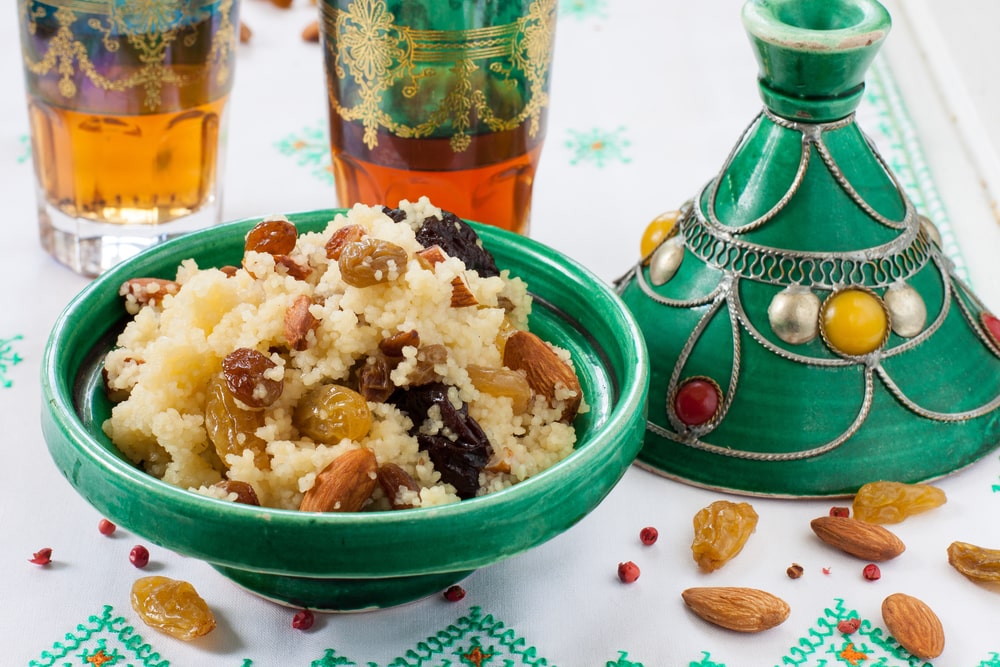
(647, 99)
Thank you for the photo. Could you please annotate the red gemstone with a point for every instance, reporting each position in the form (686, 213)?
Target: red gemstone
(697, 401)
(992, 325)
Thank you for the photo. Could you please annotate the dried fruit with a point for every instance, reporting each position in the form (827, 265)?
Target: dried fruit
(454, 593)
(139, 556)
(794, 571)
(912, 623)
(864, 540)
(976, 563)
(720, 532)
(546, 372)
(293, 267)
(245, 494)
(735, 608)
(299, 321)
(374, 379)
(276, 237)
(628, 572)
(41, 557)
(332, 412)
(370, 261)
(303, 620)
(172, 606)
(457, 239)
(394, 344)
(344, 485)
(502, 382)
(393, 479)
(849, 626)
(247, 373)
(648, 535)
(428, 358)
(232, 428)
(871, 572)
(891, 502)
(105, 527)
(341, 237)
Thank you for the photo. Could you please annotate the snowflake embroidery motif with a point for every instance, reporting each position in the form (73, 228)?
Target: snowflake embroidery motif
(8, 359)
(598, 146)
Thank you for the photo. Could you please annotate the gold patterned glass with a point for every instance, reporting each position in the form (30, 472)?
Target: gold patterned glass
(127, 101)
(444, 99)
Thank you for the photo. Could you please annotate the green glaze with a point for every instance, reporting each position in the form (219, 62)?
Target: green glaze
(803, 419)
(364, 560)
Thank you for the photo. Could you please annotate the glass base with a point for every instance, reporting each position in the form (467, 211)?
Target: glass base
(90, 248)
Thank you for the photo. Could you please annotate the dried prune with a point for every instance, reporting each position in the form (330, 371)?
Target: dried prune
(457, 239)
(460, 449)
(245, 371)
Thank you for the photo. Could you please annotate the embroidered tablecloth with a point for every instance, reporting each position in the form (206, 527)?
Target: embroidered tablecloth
(647, 98)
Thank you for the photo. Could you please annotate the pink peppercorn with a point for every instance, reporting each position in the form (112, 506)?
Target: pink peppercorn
(303, 620)
(139, 556)
(648, 535)
(628, 572)
(41, 557)
(105, 527)
(849, 625)
(454, 593)
(840, 511)
(871, 572)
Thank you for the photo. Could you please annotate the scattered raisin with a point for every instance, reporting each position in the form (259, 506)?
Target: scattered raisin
(454, 593)
(303, 620)
(331, 412)
(891, 502)
(871, 572)
(370, 261)
(41, 557)
(172, 606)
(794, 571)
(628, 572)
(976, 563)
(648, 535)
(245, 371)
(139, 556)
(720, 532)
(276, 237)
(457, 239)
(105, 527)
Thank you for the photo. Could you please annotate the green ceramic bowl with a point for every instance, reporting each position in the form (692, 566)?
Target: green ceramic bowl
(349, 562)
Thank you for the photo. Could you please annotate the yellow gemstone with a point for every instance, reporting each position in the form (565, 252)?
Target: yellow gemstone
(854, 321)
(657, 230)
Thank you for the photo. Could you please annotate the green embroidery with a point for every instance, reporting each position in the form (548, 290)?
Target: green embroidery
(992, 661)
(25, 155)
(8, 359)
(312, 148)
(705, 662)
(103, 640)
(582, 9)
(623, 661)
(598, 146)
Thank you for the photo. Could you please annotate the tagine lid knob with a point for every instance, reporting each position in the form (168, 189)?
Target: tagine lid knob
(813, 54)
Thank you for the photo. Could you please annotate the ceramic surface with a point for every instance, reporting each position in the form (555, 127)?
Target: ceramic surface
(363, 560)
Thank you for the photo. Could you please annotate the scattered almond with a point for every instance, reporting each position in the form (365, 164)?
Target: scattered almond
(867, 541)
(913, 625)
(546, 372)
(736, 608)
(311, 32)
(344, 485)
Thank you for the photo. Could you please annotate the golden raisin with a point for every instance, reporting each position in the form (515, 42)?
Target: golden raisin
(276, 237)
(370, 261)
(976, 563)
(331, 412)
(720, 532)
(231, 428)
(246, 374)
(891, 502)
(502, 382)
(428, 356)
(172, 606)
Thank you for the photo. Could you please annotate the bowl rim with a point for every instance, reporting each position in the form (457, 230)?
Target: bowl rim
(57, 384)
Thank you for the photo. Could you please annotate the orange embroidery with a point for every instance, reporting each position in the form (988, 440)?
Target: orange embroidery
(851, 655)
(476, 656)
(100, 658)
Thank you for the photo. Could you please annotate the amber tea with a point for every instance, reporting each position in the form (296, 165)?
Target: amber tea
(429, 100)
(127, 105)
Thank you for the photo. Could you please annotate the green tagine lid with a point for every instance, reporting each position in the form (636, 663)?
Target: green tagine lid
(806, 333)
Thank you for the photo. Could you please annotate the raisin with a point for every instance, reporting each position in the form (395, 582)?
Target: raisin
(245, 494)
(392, 478)
(231, 428)
(331, 412)
(276, 237)
(974, 562)
(891, 502)
(457, 239)
(428, 356)
(347, 234)
(173, 606)
(373, 379)
(245, 371)
(394, 344)
(502, 382)
(370, 261)
(461, 449)
(720, 531)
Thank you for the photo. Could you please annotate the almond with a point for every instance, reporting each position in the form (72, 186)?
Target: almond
(867, 541)
(461, 295)
(299, 322)
(913, 625)
(344, 485)
(392, 478)
(735, 608)
(545, 370)
(311, 32)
